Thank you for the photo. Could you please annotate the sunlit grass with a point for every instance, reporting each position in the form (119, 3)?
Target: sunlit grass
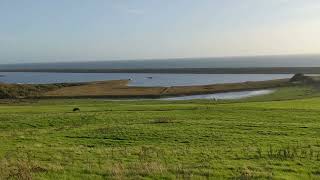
(261, 139)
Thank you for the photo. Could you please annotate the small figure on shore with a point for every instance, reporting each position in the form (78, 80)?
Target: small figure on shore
(76, 109)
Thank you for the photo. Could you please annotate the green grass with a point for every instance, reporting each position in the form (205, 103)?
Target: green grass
(260, 138)
(17, 91)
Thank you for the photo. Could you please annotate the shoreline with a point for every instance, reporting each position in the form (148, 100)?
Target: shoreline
(119, 89)
(116, 91)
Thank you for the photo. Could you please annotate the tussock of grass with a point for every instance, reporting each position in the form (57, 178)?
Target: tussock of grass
(162, 120)
(19, 169)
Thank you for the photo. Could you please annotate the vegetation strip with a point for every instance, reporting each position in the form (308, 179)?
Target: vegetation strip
(119, 89)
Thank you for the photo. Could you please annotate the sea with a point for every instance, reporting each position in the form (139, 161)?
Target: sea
(142, 80)
(150, 79)
(215, 62)
(161, 80)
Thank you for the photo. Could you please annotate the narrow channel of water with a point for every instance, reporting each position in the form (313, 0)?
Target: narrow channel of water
(215, 96)
(223, 96)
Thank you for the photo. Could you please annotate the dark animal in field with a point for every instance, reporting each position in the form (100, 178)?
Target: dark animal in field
(76, 109)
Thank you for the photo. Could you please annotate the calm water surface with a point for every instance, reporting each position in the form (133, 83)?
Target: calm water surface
(224, 96)
(164, 80)
(215, 62)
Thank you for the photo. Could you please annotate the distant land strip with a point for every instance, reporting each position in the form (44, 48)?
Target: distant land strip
(258, 70)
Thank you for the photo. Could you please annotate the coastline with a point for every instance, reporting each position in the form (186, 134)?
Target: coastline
(118, 89)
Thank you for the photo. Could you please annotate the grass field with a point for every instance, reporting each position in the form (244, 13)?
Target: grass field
(270, 137)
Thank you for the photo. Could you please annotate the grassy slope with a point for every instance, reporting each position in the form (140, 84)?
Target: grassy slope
(152, 139)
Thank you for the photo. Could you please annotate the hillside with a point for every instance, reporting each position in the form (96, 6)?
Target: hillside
(162, 140)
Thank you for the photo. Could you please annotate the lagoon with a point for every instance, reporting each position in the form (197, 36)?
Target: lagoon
(137, 79)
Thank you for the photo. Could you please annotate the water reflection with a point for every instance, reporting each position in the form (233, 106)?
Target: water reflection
(223, 96)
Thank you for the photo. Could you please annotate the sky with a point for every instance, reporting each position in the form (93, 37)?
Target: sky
(91, 30)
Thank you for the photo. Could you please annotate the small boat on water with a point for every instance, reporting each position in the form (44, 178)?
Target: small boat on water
(149, 77)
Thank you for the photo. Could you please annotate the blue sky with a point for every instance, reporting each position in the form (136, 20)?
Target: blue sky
(84, 30)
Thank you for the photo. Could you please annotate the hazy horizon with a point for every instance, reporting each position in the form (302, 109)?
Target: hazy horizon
(79, 30)
(207, 62)
(169, 59)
